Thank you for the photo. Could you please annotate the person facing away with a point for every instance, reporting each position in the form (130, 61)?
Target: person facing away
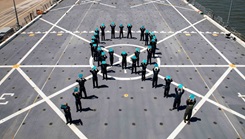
(168, 81)
(102, 27)
(129, 26)
(81, 81)
(77, 96)
(155, 75)
(111, 55)
(67, 113)
(124, 59)
(190, 102)
(179, 91)
(142, 33)
(143, 72)
(94, 72)
(121, 31)
(113, 26)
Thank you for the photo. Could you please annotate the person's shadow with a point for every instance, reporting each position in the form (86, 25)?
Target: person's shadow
(91, 97)
(195, 119)
(103, 86)
(182, 107)
(77, 122)
(87, 109)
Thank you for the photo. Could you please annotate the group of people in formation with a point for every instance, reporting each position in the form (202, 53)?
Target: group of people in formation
(100, 56)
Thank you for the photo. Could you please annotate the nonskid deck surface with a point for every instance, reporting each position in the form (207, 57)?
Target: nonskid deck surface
(39, 67)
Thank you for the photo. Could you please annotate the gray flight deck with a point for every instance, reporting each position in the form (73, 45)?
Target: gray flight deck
(38, 69)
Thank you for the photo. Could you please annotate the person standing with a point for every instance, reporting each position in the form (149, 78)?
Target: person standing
(113, 26)
(155, 75)
(94, 72)
(190, 102)
(168, 81)
(124, 59)
(67, 113)
(146, 37)
(134, 70)
(177, 100)
(143, 72)
(121, 31)
(149, 54)
(142, 32)
(81, 81)
(98, 35)
(77, 96)
(111, 54)
(137, 54)
(102, 27)
(153, 44)
(104, 69)
(129, 26)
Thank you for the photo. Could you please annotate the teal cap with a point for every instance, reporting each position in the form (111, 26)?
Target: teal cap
(134, 57)
(154, 37)
(102, 24)
(94, 45)
(152, 33)
(111, 50)
(156, 65)
(92, 41)
(94, 68)
(144, 61)
(168, 77)
(93, 37)
(192, 97)
(121, 25)
(99, 48)
(123, 52)
(180, 86)
(80, 75)
(149, 46)
(103, 62)
(153, 40)
(103, 53)
(75, 89)
(147, 31)
(142, 27)
(112, 23)
(97, 29)
(137, 50)
(129, 24)
(95, 33)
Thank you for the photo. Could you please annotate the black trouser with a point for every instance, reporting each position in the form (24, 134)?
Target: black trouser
(95, 82)
(124, 64)
(129, 33)
(68, 118)
(176, 104)
(188, 115)
(142, 37)
(143, 75)
(102, 37)
(121, 35)
(112, 35)
(154, 82)
(148, 60)
(153, 52)
(134, 70)
(78, 105)
(138, 61)
(99, 61)
(105, 75)
(146, 42)
(166, 91)
(111, 61)
(82, 89)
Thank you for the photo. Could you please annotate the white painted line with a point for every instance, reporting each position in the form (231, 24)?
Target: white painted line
(200, 34)
(66, 30)
(6, 66)
(143, 3)
(52, 105)
(176, 6)
(243, 66)
(60, 8)
(45, 35)
(199, 105)
(54, 66)
(6, 76)
(194, 66)
(241, 96)
(240, 73)
(107, 5)
(125, 71)
(179, 31)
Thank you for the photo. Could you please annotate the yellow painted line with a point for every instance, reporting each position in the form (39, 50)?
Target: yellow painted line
(187, 34)
(59, 34)
(125, 95)
(215, 35)
(16, 66)
(232, 65)
(31, 35)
